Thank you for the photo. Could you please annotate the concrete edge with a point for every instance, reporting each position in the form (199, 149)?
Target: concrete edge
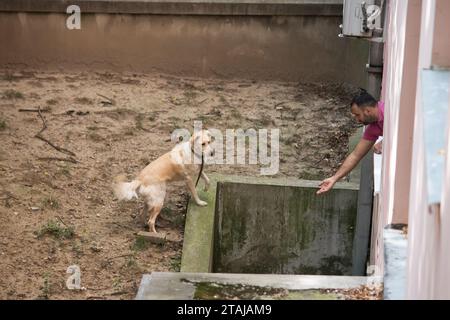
(181, 7)
(182, 286)
(145, 281)
(291, 282)
(288, 182)
(395, 264)
(198, 240)
(198, 243)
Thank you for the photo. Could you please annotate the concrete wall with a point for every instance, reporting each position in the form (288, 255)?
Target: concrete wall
(285, 41)
(416, 46)
(284, 229)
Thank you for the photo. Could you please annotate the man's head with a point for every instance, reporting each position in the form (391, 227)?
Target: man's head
(364, 108)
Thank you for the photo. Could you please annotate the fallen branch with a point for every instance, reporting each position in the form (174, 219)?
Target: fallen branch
(39, 136)
(58, 159)
(34, 110)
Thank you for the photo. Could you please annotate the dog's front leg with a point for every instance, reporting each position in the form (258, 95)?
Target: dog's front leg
(194, 194)
(207, 182)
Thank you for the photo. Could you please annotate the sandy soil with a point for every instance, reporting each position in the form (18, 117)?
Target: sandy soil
(56, 213)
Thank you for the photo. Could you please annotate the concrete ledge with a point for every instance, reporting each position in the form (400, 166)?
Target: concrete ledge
(182, 7)
(198, 246)
(183, 286)
(199, 232)
(395, 257)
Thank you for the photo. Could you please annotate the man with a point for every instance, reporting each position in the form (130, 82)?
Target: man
(366, 110)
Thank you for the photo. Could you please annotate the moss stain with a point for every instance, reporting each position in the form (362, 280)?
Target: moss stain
(221, 291)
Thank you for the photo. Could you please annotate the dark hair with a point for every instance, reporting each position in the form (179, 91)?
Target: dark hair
(364, 99)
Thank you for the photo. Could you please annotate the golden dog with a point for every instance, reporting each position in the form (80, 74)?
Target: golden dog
(176, 165)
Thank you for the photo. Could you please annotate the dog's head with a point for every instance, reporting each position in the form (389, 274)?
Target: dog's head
(202, 139)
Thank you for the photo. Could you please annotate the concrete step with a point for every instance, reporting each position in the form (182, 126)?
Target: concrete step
(226, 286)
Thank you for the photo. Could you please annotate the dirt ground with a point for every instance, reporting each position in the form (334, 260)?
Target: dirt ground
(56, 213)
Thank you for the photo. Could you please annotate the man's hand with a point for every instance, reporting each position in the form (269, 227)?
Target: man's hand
(378, 147)
(326, 185)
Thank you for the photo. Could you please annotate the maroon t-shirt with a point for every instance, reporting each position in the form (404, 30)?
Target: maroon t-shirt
(375, 130)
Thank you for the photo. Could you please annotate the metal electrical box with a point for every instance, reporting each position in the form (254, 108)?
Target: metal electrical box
(360, 18)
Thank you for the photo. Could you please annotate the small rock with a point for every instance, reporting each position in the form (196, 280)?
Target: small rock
(35, 208)
(95, 248)
(153, 237)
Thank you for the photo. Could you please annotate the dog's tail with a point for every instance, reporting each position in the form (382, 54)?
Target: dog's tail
(125, 190)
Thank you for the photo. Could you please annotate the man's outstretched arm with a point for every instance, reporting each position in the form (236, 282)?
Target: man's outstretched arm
(349, 164)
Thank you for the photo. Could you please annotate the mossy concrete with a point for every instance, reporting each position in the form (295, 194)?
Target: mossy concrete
(198, 233)
(355, 174)
(269, 225)
(211, 286)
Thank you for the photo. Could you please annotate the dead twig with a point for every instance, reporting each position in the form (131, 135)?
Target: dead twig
(8, 195)
(121, 256)
(34, 110)
(95, 298)
(62, 221)
(202, 101)
(58, 159)
(97, 289)
(39, 136)
(109, 100)
(123, 226)
(117, 293)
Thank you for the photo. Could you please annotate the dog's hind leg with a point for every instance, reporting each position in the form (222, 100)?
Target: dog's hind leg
(153, 214)
(143, 216)
(154, 195)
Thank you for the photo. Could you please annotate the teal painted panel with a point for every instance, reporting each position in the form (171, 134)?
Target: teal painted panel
(435, 102)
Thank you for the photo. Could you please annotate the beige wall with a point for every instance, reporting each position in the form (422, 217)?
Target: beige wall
(441, 45)
(400, 78)
(405, 114)
(258, 47)
(413, 45)
(399, 87)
